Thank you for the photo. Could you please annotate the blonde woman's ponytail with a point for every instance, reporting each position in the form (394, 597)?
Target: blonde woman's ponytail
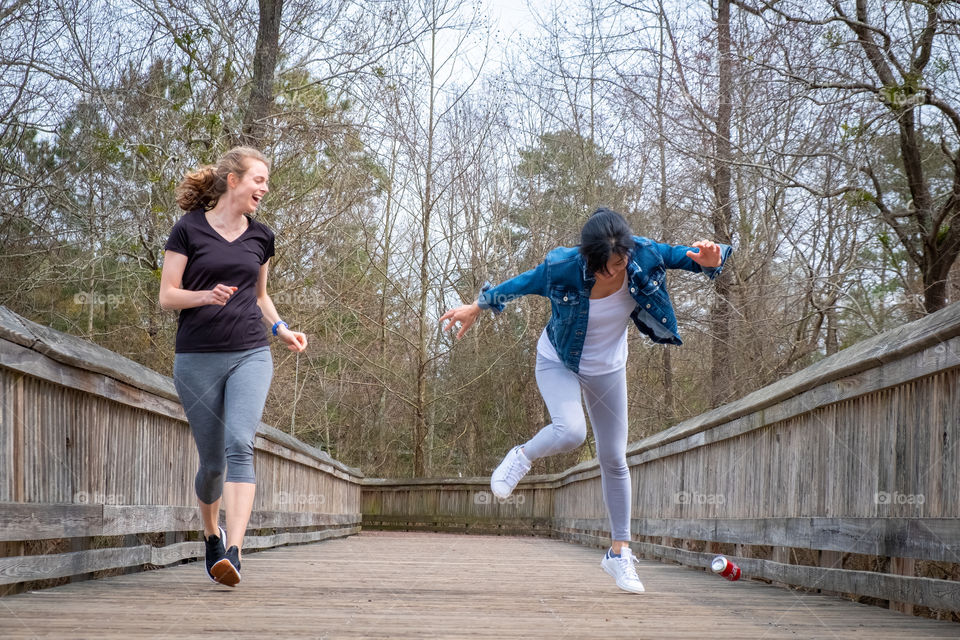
(201, 189)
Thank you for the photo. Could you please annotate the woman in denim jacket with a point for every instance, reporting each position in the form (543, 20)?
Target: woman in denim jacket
(594, 289)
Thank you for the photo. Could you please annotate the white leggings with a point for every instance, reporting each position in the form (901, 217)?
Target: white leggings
(606, 399)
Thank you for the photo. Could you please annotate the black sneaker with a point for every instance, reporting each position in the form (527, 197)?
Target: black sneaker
(233, 555)
(216, 550)
(227, 571)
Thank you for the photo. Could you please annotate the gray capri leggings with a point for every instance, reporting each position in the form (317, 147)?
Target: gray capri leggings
(223, 395)
(606, 400)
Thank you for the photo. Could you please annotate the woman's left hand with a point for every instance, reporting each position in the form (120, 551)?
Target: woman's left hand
(295, 340)
(710, 254)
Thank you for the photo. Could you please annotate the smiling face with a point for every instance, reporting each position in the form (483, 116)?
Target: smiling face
(247, 190)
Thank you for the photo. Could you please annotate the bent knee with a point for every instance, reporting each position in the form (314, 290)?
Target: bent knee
(572, 435)
(209, 484)
(615, 467)
(239, 450)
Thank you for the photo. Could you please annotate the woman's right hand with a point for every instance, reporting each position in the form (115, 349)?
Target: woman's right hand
(466, 315)
(218, 295)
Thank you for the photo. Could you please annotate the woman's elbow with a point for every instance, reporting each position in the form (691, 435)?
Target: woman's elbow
(165, 300)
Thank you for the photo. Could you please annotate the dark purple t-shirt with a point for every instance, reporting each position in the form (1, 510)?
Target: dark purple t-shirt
(211, 260)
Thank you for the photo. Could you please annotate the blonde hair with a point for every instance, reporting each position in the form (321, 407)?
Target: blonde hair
(201, 189)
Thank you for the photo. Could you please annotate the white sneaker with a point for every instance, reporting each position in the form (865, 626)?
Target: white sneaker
(623, 570)
(505, 477)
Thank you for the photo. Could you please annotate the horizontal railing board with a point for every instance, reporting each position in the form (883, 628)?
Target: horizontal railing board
(12, 328)
(163, 556)
(298, 537)
(146, 519)
(472, 485)
(83, 354)
(27, 361)
(927, 592)
(31, 568)
(19, 521)
(497, 526)
(456, 521)
(274, 441)
(290, 519)
(24, 521)
(128, 519)
(936, 539)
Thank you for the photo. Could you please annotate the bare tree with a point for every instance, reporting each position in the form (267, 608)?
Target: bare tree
(892, 63)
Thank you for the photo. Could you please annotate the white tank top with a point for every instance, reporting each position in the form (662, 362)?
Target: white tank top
(605, 345)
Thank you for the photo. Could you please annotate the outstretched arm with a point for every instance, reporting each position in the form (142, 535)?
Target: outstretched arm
(703, 256)
(495, 298)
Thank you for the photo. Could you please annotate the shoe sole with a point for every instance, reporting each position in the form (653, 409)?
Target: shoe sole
(614, 576)
(225, 573)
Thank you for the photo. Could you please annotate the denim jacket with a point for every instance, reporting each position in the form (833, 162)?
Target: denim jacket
(563, 277)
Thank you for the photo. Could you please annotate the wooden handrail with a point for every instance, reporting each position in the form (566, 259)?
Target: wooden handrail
(98, 464)
(850, 465)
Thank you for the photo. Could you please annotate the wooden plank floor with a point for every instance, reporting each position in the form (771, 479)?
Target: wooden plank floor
(416, 585)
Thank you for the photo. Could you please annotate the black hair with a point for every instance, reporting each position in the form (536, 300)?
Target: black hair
(604, 235)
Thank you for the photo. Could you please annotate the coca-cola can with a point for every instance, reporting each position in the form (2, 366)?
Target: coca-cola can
(725, 568)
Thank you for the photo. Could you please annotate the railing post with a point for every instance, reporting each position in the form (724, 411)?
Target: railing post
(902, 567)
(831, 560)
(18, 441)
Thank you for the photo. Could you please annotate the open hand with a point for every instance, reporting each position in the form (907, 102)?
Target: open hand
(466, 315)
(709, 255)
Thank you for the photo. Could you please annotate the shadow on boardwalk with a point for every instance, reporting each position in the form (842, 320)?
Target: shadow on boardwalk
(414, 585)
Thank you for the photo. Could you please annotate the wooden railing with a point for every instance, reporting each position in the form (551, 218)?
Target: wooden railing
(97, 466)
(844, 477)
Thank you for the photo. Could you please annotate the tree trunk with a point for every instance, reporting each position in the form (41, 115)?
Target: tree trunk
(722, 313)
(264, 67)
(668, 409)
(426, 210)
(930, 235)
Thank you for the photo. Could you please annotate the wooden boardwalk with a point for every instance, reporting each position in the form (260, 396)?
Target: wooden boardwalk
(416, 585)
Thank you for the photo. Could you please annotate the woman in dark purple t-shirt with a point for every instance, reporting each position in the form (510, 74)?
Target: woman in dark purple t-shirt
(215, 273)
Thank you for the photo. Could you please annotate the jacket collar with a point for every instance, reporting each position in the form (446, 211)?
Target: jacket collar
(588, 277)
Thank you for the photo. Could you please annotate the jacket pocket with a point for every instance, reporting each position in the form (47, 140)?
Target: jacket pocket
(655, 280)
(565, 303)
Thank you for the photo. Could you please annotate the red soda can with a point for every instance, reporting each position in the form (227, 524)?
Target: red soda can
(725, 568)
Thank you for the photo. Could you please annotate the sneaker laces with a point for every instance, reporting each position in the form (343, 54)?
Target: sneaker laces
(517, 469)
(626, 565)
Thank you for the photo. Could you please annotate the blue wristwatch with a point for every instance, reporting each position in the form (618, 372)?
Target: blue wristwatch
(277, 324)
